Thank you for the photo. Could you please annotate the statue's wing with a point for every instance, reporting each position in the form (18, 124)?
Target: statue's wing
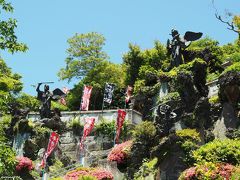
(192, 36)
(58, 94)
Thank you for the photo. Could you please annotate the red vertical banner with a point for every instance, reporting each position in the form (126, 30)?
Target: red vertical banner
(53, 141)
(65, 90)
(88, 126)
(86, 98)
(63, 100)
(120, 121)
(128, 93)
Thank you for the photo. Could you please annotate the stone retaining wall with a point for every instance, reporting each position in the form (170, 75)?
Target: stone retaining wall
(132, 116)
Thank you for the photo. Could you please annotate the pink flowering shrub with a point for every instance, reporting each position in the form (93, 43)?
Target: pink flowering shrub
(120, 152)
(99, 174)
(209, 170)
(24, 164)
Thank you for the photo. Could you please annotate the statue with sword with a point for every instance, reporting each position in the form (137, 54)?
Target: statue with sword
(46, 96)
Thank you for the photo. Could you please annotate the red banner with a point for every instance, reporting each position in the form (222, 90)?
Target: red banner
(120, 121)
(128, 93)
(89, 125)
(53, 141)
(86, 98)
(63, 100)
(66, 90)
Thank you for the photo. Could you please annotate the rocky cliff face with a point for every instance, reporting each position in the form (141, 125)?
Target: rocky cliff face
(187, 106)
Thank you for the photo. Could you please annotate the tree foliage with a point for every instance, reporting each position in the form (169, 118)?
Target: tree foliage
(97, 77)
(133, 60)
(8, 39)
(7, 155)
(142, 65)
(89, 62)
(10, 85)
(7, 160)
(227, 151)
(84, 54)
(27, 101)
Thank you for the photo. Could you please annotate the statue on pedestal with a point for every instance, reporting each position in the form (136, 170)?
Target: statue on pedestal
(178, 44)
(46, 97)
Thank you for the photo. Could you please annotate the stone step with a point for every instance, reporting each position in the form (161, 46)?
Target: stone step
(89, 138)
(68, 147)
(92, 146)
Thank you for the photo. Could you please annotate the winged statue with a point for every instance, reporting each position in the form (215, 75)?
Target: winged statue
(178, 44)
(46, 97)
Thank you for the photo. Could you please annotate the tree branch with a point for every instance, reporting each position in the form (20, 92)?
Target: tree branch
(231, 25)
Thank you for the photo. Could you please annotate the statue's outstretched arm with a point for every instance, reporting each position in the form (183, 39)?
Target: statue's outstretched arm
(39, 84)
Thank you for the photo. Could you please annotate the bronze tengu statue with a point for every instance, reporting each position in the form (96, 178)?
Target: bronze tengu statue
(178, 44)
(46, 97)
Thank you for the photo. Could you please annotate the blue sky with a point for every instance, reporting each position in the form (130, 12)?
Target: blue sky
(46, 25)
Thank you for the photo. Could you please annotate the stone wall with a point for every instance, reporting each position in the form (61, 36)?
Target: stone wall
(132, 116)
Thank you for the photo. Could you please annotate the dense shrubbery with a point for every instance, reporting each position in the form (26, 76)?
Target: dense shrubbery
(7, 160)
(188, 141)
(211, 171)
(120, 152)
(190, 134)
(28, 101)
(7, 155)
(186, 68)
(227, 151)
(24, 164)
(107, 129)
(170, 96)
(147, 170)
(59, 106)
(100, 174)
(144, 131)
(233, 67)
(76, 126)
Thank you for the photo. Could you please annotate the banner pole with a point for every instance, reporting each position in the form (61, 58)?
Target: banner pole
(78, 153)
(103, 99)
(81, 155)
(114, 140)
(102, 106)
(125, 105)
(42, 174)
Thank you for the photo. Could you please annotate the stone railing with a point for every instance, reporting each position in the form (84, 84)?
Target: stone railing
(132, 116)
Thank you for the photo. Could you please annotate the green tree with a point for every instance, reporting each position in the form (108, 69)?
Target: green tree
(156, 57)
(97, 77)
(84, 53)
(133, 60)
(231, 52)
(7, 155)
(10, 85)
(87, 61)
(7, 160)
(27, 101)
(8, 39)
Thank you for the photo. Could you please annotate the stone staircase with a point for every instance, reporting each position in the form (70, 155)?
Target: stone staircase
(96, 151)
(95, 154)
